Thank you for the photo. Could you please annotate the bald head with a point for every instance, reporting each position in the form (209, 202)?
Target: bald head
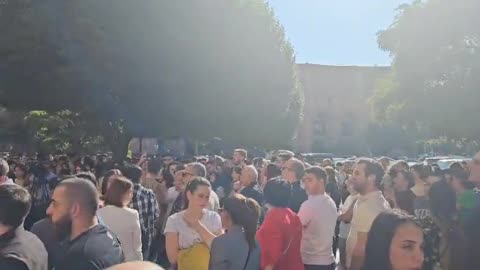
(249, 175)
(136, 266)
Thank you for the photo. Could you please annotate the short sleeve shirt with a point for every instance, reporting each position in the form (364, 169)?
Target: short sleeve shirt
(366, 209)
(187, 236)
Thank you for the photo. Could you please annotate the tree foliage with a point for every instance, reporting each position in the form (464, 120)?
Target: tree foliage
(63, 131)
(435, 47)
(157, 67)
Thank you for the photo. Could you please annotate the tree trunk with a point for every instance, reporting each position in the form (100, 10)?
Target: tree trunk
(120, 148)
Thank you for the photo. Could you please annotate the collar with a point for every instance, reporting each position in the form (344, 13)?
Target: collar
(370, 195)
(317, 196)
(235, 228)
(6, 237)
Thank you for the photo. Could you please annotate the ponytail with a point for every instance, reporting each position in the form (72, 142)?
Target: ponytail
(244, 212)
(250, 221)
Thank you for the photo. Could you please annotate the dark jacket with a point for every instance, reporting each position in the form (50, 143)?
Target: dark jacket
(298, 196)
(23, 249)
(253, 191)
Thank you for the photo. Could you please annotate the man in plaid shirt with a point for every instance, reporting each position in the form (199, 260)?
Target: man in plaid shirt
(145, 202)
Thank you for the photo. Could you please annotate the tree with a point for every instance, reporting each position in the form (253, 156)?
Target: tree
(435, 47)
(195, 68)
(63, 131)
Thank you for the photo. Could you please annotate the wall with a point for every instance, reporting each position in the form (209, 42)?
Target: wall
(336, 112)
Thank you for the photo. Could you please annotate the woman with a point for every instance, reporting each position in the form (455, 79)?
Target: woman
(185, 246)
(281, 232)
(107, 179)
(445, 244)
(120, 219)
(236, 249)
(395, 242)
(21, 176)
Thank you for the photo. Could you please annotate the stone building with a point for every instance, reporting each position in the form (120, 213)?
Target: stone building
(336, 114)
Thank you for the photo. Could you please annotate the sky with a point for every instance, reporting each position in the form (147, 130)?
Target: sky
(336, 32)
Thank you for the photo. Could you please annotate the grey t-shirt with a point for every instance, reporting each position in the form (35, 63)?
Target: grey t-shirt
(420, 207)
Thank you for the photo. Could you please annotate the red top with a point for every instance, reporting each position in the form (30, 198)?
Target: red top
(281, 226)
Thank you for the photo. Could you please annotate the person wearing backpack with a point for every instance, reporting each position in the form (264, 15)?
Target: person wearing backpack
(43, 183)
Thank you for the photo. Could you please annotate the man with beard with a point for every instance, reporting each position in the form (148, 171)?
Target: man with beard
(88, 245)
(19, 249)
(240, 157)
(366, 180)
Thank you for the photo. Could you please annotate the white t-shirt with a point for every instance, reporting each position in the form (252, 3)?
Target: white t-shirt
(366, 209)
(213, 202)
(318, 215)
(172, 194)
(187, 236)
(345, 227)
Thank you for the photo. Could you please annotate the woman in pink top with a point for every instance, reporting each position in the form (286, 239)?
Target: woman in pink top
(280, 235)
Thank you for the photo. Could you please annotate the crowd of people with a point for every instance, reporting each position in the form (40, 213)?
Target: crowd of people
(237, 213)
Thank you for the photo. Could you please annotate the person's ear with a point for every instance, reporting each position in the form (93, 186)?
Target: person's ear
(75, 210)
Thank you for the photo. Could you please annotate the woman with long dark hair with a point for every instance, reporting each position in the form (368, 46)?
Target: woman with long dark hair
(236, 249)
(395, 242)
(445, 244)
(186, 248)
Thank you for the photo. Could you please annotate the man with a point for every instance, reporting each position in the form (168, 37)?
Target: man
(19, 249)
(197, 169)
(154, 181)
(318, 215)
(249, 183)
(89, 245)
(284, 156)
(239, 157)
(473, 222)
(366, 180)
(136, 266)
(45, 231)
(292, 171)
(145, 202)
(327, 162)
(167, 159)
(4, 169)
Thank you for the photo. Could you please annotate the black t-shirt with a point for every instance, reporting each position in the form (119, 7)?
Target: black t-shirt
(95, 249)
(12, 264)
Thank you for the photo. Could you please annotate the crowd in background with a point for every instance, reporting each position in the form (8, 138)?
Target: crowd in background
(66, 212)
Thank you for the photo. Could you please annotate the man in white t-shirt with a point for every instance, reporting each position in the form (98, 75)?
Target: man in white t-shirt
(318, 215)
(366, 180)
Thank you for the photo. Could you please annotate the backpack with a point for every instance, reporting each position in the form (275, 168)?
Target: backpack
(41, 191)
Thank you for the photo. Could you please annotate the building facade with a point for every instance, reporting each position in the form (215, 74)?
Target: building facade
(336, 112)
